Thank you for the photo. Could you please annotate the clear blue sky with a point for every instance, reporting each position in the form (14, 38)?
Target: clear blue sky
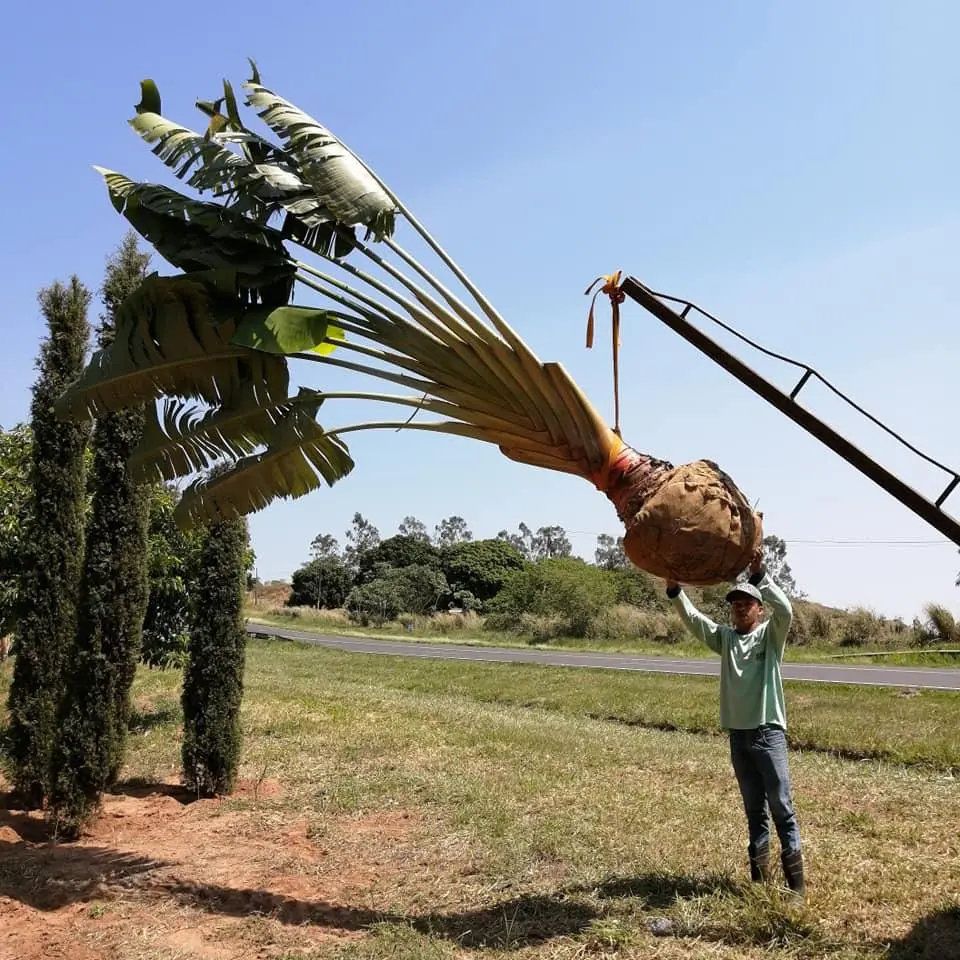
(793, 167)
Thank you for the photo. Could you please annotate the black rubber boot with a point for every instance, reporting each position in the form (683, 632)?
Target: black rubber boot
(793, 871)
(759, 863)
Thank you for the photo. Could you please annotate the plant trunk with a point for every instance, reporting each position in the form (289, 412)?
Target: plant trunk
(689, 523)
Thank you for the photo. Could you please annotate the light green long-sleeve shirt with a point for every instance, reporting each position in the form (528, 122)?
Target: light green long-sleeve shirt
(751, 684)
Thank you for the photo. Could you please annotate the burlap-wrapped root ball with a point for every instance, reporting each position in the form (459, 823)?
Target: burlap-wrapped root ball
(694, 526)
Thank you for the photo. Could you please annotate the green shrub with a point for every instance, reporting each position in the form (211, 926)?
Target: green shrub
(565, 589)
(213, 679)
(859, 627)
(413, 589)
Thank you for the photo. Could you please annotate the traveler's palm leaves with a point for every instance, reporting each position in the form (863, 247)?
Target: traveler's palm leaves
(391, 314)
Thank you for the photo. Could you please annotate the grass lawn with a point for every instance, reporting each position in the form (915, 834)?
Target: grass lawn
(409, 809)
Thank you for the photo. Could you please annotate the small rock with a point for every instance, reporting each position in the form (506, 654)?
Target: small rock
(660, 926)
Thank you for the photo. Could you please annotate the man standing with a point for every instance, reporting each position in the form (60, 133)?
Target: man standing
(753, 712)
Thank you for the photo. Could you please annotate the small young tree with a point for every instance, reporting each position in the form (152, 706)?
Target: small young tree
(52, 547)
(213, 679)
(113, 593)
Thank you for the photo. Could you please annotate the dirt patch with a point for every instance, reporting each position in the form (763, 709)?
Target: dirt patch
(210, 879)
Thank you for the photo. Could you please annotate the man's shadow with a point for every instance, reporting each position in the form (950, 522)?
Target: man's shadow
(935, 937)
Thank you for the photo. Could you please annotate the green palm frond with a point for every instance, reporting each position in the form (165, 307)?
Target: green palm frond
(347, 188)
(207, 165)
(298, 458)
(174, 338)
(194, 236)
(183, 438)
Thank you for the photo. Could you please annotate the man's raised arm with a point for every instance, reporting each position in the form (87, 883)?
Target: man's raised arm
(781, 611)
(702, 627)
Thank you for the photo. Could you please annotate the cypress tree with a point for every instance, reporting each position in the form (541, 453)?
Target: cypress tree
(113, 594)
(213, 679)
(52, 547)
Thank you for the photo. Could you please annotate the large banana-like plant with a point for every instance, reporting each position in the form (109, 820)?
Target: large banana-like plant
(212, 343)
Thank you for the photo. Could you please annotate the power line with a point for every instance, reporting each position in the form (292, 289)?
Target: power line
(903, 542)
(897, 543)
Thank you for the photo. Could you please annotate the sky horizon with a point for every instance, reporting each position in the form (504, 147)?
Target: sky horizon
(790, 170)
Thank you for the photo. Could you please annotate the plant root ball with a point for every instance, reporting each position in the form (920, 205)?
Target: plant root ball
(696, 528)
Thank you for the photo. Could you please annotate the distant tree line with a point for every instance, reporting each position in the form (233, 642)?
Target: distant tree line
(511, 576)
(529, 584)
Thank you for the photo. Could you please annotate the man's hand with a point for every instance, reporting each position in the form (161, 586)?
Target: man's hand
(673, 585)
(756, 561)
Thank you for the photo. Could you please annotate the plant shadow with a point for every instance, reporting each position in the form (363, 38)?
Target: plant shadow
(513, 924)
(48, 876)
(141, 788)
(143, 721)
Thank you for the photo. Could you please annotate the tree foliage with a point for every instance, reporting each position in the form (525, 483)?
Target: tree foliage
(412, 527)
(398, 551)
(113, 592)
(361, 537)
(395, 590)
(173, 559)
(213, 679)
(323, 583)
(610, 554)
(451, 531)
(481, 567)
(566, 587)
(324, 546)
(775, 560)
(551, 543)
(51, 547)
(521, 541)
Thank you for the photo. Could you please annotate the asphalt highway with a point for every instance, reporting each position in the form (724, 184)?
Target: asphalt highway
(924, 678)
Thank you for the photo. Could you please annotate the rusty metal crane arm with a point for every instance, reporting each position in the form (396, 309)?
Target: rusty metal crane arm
(662, 307)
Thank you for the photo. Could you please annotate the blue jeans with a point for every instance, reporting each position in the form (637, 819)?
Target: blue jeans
(760, 762)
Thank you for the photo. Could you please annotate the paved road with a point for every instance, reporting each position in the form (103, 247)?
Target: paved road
(928, 678)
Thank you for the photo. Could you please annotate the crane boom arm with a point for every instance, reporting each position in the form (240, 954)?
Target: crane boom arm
(662, 307)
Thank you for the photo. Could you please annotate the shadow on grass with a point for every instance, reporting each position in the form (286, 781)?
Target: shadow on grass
(142, 721)
(935, 937)
(507, 925)
(512, 924)
(659, 890)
